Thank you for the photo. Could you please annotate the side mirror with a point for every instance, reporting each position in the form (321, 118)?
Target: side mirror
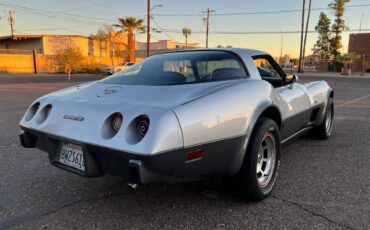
(290, 79)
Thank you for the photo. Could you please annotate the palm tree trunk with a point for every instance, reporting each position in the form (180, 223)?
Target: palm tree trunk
(302, 32)
(305, 35)
(131, 47)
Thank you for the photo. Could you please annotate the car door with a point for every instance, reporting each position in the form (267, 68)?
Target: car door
(293, 100)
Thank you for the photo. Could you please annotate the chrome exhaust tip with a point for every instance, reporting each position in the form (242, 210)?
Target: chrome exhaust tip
(132, 186)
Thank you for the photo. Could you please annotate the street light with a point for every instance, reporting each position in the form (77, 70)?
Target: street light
(148, 27)
(159, 5)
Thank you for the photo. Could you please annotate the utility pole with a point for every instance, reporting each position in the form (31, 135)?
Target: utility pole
(148, 27)
(11, 21)
(305, 35)
(302, 32)
(209, 11)
(281, 49)
(148, 31)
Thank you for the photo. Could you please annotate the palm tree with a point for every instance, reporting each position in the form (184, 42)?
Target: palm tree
(130, 25)
(186, 32)
(347, 60)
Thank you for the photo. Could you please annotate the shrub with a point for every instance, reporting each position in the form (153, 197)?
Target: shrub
(338, 65)
(368, 70)
(70, 61)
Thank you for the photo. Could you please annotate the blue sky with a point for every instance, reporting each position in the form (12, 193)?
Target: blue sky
(94, 13)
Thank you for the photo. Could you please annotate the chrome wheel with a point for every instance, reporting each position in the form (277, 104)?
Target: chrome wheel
(266, 159)
(329, 119)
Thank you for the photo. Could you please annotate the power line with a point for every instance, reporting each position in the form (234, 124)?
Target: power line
(255, 13)
(155, 37)
(255, 32)
(162, 30)
(84, 7)
(175, 31)
(56, 15)
(86, 20)
(56, 28)
(61, 5)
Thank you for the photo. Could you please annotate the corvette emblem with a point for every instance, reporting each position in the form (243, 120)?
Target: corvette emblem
(109, 91)
(73, 117)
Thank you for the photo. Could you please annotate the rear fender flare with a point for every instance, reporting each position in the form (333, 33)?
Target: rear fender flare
(260, 109)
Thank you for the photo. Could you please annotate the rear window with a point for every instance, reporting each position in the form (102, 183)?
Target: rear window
(181, 68)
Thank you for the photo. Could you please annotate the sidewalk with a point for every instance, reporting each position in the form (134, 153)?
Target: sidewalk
(47, 78)
(334, 74)
(42, 75)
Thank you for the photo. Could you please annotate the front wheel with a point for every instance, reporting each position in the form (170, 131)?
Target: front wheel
(259, 171)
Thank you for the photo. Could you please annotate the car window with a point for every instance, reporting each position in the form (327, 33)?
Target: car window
(132, 71)
(207, 67)
(182, 68)
(266, 69)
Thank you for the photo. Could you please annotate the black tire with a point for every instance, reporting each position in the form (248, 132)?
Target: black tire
(322, 131)
(248, 180)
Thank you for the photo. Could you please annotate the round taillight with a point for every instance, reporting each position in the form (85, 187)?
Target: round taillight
(143, 125)
(117, 121)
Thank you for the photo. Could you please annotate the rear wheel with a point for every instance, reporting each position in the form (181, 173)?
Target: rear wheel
(324, 130)
(259, 171)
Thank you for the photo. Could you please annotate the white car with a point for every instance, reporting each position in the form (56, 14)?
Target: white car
(118, 68)
(182, 116)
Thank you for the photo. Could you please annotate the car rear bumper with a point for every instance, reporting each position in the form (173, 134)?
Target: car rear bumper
(220, 159)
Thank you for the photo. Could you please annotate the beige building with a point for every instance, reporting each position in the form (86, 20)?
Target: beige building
(166, 44)
(45, 44)
(17, 56)
(55, 44)
(114, 42)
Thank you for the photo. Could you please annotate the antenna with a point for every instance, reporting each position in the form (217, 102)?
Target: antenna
(362, 18)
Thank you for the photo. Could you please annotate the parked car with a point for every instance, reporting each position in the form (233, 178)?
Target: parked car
(182, 116)
(118, 68)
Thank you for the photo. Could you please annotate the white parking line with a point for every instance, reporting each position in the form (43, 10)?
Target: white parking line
(353, 101)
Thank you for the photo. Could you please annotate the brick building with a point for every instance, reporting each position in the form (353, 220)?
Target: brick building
(359, 44)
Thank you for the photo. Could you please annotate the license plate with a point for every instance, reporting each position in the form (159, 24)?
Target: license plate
(72, 155)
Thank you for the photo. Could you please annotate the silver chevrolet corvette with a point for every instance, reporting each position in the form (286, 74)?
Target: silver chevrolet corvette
(182, 116)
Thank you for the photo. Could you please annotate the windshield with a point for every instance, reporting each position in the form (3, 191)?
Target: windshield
(181, 68)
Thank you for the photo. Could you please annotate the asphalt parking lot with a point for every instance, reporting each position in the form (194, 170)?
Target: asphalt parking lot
(321, 185)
